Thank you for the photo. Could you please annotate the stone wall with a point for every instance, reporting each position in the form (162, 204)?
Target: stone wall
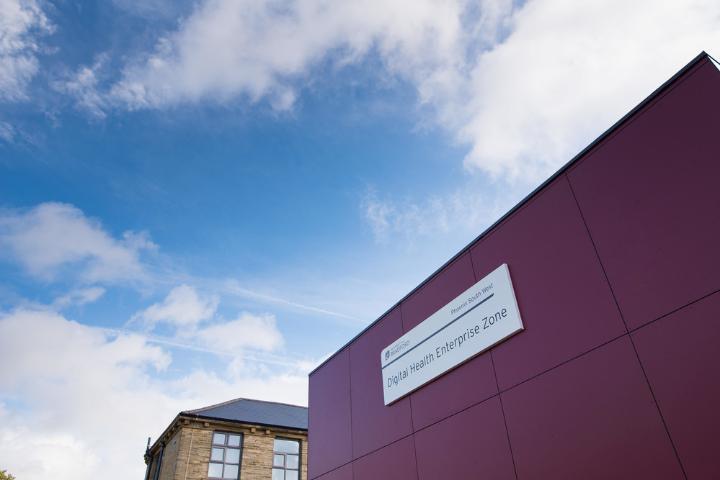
(167, 471)
(187, 453)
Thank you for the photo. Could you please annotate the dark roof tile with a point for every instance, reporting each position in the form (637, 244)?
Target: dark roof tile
(255, 411)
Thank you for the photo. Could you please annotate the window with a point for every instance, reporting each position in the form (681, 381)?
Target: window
(225, 456)
(286, 459)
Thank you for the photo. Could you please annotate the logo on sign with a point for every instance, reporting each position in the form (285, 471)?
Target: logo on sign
(391, 352)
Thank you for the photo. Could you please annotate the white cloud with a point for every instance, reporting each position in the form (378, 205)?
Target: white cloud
(381, 216)
(21, 22)
(191, 315)
(183, 308)
(79, 297)
(82, 85)
(290, 386)
(53, 236)
(558, 74)
(32, 455)
(257, 49)
(68, 382)
(524, 87)
(150, 8)
(247, 331)
(462, 213)
(78, 402)
(233, 287)
(29, 336)
(566, 72)
(7, 132)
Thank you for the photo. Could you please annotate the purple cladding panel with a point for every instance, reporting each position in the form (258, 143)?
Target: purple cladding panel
(564, 300)
(329, 439)
(472, 444)
(591, 418)
(373, 424)
(634, 223)
(466, 385)
(438, 291)
(680, 356)
(395, 461)
(651, 199)
(343, 473)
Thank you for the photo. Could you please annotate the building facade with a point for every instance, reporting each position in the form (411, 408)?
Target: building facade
(615, 267)
(240, 439)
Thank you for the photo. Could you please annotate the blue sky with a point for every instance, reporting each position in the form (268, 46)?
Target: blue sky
(202, 200)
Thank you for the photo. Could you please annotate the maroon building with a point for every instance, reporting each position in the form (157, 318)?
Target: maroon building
(615, 264)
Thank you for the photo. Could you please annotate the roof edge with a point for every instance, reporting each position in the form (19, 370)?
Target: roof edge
(164, 432)
(195, 416)
(244, 422)
(202, 409)
(714, 61)
(616, 126)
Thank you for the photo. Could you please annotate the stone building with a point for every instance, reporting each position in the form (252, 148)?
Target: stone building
(240, 439)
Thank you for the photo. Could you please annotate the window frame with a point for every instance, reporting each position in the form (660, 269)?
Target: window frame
(284, 468)
(225, 447)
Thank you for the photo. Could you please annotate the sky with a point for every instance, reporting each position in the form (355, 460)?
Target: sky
(203, 200)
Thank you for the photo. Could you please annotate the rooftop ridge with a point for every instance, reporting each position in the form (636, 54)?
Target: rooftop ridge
(234, 400)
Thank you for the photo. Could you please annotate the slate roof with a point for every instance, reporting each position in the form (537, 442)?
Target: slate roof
(255, 412)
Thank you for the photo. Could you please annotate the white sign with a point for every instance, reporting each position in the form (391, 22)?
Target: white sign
(480, 317)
